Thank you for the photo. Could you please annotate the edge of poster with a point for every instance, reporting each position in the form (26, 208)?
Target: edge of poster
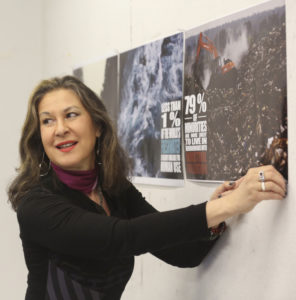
(158, 181)
(95, 60)
(205, 181)
(247, 10)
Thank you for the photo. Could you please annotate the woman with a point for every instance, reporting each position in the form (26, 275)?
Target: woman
(82, 221)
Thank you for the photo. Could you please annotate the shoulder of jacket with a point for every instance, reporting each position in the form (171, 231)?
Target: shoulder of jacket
(37, 194)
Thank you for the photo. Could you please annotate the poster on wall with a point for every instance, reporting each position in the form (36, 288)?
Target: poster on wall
(235, 94)
(149, 121)
(102, 77)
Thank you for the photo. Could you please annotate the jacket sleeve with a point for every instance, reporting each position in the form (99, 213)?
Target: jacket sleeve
(52, 222)
(183, 254)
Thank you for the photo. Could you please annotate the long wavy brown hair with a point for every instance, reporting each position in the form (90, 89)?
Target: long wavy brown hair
(115, 166)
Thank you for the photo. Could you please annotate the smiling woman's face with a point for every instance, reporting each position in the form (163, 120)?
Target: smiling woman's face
(68, 133)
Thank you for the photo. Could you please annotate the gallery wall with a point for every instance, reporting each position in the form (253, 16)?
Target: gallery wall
(21, 67)
(255, 257)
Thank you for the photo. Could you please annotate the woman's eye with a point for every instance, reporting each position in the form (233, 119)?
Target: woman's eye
(71, 115)
(46, 121)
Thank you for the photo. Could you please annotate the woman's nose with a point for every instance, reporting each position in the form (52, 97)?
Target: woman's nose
(61, 127)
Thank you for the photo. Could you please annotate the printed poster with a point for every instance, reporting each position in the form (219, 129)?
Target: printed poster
(102, 77)
(149, 121)
(235, 94)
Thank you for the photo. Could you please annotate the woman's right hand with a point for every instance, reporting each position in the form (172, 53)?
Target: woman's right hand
(247, 194)
(249, 189)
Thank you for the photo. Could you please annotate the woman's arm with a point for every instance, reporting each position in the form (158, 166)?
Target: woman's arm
(50, 221)
(238, 197)
(186, 255)
(183, 254)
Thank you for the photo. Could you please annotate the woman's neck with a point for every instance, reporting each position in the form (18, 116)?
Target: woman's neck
(83, 181)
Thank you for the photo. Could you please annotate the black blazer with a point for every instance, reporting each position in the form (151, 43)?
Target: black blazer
(71, 246)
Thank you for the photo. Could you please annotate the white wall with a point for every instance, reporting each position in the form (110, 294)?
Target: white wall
(21, 67)
(255, 258)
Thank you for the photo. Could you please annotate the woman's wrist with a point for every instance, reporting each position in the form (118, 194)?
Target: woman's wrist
(220, 210)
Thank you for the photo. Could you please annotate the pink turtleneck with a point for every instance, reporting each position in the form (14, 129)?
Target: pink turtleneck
(83, 181)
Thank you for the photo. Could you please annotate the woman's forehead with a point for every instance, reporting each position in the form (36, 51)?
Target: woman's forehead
(60, 99)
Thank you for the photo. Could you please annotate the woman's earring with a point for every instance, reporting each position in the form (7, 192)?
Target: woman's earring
(98, 146)
(44, 165)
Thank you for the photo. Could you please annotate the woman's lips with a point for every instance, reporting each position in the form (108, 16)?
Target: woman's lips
(66, 146)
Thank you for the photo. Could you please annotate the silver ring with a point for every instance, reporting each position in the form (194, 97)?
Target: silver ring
(262, 186)
(261, 176)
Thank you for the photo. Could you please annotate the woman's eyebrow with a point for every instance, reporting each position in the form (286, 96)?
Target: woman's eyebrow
(64, 110)
(44, 113)
(70, 108)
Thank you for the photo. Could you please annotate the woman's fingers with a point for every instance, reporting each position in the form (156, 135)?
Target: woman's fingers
(261, 183)
(225, 193)
(270, 187)
(274, 196)
(276, 177)
(270, 196)
(269, 174)
(225, 186)
(229, 185)
(239, 181)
